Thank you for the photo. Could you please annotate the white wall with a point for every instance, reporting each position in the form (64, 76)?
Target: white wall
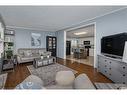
(61, 44)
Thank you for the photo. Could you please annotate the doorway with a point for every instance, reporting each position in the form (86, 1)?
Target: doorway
(82, 41)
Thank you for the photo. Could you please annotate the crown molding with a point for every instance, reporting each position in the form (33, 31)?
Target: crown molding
(81, 24)
(26, 28)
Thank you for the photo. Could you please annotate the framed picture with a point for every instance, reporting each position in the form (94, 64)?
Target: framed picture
(35, 39)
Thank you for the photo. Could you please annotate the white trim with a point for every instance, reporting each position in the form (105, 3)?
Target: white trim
(65, 44)
(25, 28)
(80, 26)
(95, 48)
(84, 21)
(95, 54)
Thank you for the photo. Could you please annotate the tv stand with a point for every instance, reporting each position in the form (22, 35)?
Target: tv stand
(113, 68)
(112, 56)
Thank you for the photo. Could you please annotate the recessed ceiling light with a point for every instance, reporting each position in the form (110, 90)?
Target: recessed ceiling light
(80, 33)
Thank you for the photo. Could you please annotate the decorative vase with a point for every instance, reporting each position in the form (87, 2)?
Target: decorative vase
(42, 57)
(48, 56)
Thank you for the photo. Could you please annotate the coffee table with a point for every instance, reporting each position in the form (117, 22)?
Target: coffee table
(38, 62)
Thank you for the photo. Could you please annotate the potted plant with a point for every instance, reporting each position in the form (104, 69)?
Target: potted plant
(9, 54)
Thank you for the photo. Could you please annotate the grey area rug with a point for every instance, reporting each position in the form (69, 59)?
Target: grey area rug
(3, 78)
(48, 73)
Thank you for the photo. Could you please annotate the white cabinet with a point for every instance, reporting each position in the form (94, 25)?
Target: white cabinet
(114, 69)
(91, 52)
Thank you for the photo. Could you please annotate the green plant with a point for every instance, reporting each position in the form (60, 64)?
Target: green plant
(10, 44)
(9, 54)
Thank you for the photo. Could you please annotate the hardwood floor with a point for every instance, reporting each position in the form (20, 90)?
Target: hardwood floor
(21, 72)
(16, 77)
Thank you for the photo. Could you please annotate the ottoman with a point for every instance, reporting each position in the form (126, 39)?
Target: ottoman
(65, 78)
(83, 82)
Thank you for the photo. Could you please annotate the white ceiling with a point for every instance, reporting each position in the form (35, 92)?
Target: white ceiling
(51, 18)
(88, 29)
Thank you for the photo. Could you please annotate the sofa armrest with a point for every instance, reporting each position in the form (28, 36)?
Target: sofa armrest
(19, 58)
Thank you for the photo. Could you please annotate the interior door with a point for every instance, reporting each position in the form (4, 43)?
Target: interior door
(68, 47)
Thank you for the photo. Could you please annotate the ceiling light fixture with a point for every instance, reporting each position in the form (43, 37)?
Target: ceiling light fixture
(80, 33)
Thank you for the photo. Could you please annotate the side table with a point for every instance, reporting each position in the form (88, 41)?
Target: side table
(8, 65)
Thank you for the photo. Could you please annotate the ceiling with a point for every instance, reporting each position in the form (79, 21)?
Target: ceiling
(88, 29)
(51, 18)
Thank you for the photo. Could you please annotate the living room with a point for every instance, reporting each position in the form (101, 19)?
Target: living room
(37, 40)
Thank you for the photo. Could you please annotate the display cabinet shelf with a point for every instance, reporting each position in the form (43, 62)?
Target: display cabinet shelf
(9, 43)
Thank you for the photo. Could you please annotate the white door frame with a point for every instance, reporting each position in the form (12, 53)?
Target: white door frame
(93, 23)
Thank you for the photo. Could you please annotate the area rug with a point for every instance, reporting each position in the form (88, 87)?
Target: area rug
(48, 73)
(3, 78)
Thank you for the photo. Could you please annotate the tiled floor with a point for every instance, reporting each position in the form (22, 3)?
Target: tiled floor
(88, 61)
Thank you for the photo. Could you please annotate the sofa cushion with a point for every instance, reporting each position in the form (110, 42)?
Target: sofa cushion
(21, 53)
(28, 53)
(27, 58)
(82, 82)
(35, 51)
(35, 55)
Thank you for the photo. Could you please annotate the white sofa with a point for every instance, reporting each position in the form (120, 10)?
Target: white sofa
(28, 54)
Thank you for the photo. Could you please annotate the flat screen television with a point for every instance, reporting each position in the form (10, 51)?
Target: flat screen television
(114, 44)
